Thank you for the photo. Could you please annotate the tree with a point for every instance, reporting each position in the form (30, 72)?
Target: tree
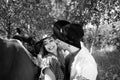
(26, 14)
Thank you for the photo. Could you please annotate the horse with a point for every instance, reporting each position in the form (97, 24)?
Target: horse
(28, 42)
(15, 61)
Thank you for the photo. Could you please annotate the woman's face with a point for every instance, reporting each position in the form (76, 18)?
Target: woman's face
(50, 45)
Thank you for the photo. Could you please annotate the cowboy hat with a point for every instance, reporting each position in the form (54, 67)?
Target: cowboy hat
(70, 33)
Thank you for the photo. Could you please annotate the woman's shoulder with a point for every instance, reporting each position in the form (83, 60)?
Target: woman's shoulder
(49, 59)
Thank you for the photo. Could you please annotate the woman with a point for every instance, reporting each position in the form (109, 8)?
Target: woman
(53, 60)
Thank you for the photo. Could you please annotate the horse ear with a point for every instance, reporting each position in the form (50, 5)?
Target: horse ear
(19, 30)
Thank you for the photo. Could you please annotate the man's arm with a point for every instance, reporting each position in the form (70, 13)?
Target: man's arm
(89, 72)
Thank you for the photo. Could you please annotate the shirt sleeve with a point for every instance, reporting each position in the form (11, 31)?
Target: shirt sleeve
(49, 62)
(84, 66)
(89, 72)
(53, 65)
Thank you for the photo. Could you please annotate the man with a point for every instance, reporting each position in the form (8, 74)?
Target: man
(80, 64)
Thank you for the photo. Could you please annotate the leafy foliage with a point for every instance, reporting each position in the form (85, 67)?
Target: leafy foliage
(25, 14)
(35, 18)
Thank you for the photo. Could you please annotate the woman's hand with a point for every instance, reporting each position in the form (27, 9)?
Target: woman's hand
(49, 75)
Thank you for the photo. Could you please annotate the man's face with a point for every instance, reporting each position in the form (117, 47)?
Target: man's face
(62, 44)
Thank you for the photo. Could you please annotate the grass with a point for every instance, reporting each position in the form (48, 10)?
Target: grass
(108, 65)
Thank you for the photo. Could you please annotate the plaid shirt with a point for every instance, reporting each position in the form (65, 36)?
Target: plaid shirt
(53, 63)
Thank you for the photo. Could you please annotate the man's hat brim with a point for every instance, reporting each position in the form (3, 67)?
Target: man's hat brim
(70, 33)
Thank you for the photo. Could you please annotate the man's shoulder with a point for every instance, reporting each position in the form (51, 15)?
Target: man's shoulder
(68, 57)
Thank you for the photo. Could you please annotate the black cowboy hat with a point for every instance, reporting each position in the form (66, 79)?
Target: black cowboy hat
(70, 33)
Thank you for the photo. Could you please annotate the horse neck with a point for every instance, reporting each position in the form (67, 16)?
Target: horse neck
(1, 40)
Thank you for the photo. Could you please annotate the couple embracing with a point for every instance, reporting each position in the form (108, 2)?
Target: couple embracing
(78, 64)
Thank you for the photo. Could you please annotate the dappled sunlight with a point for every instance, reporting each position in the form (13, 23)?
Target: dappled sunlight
(90, 26)
(107, 48)
(101, 29)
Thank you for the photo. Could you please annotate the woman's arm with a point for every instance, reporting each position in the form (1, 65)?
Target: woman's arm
(49, 75)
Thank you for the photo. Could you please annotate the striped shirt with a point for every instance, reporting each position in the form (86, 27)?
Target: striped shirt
(52, 62)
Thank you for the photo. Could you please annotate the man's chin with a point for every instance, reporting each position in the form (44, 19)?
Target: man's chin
(62, 47)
